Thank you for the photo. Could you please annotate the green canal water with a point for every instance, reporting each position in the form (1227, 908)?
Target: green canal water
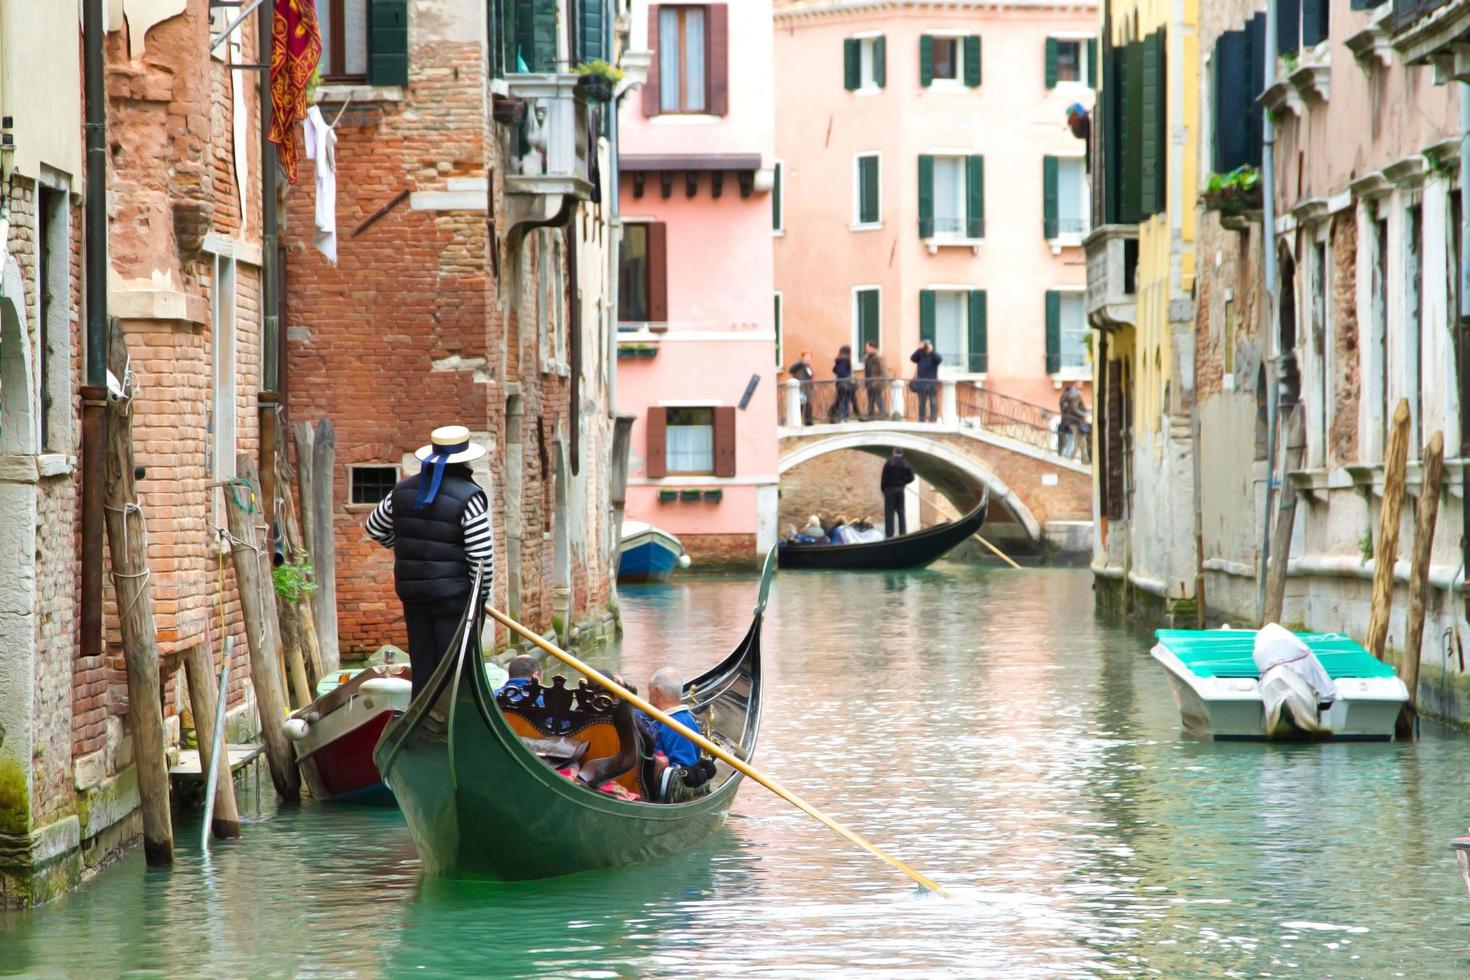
(984, 725)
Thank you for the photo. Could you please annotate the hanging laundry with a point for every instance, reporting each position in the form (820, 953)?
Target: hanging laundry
(321, 146)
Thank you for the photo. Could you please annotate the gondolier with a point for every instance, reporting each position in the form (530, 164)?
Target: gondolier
(438, 524)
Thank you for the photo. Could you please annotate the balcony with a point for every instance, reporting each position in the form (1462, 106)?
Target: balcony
(1433, 32)
(1112, 276)
(550, 163)
(943, 231)
(1063, 233)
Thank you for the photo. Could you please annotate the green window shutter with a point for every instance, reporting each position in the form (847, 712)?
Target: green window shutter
(1314, 22)
(1053, 331)
(1288, 26)
(591, 31)
(535, 30)
(1049, 196)
(776, 216)
(926, 196)
(1092, 63)
(979, 335)
(926, 315)
(868, 317)
(926, 60)
(972, 60)
(388, 42)
(868, 190)
(1051, 62)
(1132, 148)
(852, 63)
(975, 196)
(1153, 145)
(880, 58)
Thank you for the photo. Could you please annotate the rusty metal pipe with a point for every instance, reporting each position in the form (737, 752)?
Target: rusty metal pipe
(94, 390)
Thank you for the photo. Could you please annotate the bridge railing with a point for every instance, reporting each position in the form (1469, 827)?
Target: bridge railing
(965, 403)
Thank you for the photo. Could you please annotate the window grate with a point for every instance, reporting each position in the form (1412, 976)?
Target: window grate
(370, 484)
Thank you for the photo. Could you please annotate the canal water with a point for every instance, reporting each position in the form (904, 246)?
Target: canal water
(984, 725)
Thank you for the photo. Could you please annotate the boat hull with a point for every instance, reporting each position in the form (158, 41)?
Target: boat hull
(905, 551)
(649, 559)
(1230, 708)
(335, 735)
(479, 804)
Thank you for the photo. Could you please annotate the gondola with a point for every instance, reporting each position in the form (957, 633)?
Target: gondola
(905, 551)
(481, 803)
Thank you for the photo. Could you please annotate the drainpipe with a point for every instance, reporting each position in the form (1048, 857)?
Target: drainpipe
(94, 388)
(270, 305)
(1268, 230)
(1464, 291)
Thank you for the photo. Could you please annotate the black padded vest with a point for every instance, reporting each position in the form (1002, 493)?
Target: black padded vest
(429, 561)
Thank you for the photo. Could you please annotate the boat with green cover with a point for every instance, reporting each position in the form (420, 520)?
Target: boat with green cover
(1218, 686)
(481, 803)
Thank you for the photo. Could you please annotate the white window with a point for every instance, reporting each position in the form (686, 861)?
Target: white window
(947, 53)
(1073, 348)
(690, 440)
(1071, 55)
(866, 192)
(952, 327)
(681, 54)
(222, 408)
(868, 63)
(1071, 198)
(949, 197)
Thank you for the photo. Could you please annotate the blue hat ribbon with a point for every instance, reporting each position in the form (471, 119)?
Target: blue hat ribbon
(435, 462)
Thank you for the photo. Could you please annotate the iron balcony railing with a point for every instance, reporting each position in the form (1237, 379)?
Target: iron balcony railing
(1070, 227)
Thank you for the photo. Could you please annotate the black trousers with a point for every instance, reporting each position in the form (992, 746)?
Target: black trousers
(893, 508)
(929, 397)
(877, 399)
(431, 628)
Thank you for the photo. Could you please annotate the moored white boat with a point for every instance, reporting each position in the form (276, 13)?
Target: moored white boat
(648, 554)
(334, 736)
(1217, 686)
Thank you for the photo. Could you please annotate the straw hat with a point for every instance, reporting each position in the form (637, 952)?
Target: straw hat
(453, 440)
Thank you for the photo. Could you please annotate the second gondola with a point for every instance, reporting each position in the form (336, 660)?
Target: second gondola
(905, 551)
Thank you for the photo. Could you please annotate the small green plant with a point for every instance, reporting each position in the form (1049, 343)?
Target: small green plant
(312, 84)
(1288, 62)
(1234, 192)
(1365, 546)
(292, 579)
(597, 66)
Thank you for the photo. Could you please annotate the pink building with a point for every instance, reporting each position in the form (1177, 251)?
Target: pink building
(929, 185)
(696, 328)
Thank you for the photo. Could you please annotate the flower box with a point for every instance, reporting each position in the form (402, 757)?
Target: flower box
(713, 495)
(689, 494)
(667, 496)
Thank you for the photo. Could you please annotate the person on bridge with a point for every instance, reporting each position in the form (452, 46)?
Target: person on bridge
(802, 371)
(926, 379)
(846, 402)
(438, 524)
(875, 371)
(897, 475)
(1074, 418)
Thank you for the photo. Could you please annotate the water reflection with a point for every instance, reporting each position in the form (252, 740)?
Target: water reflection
(983, 724)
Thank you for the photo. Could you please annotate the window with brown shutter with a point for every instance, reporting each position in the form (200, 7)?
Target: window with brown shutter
(725, 441)
(655, 452)
(691, 64)
(643, 292)
(658, 272)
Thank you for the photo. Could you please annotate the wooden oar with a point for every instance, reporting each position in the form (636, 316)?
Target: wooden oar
(698, 739)
(1003, 556)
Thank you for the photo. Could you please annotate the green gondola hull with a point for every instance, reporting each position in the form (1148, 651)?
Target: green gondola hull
(479, 804)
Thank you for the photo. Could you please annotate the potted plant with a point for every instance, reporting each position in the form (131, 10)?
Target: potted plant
(598, 79)
(713, 495)
(1234, 193)
(667, 496)
(689, 494)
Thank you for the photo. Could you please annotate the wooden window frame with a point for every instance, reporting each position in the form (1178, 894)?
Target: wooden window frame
(723, 451)
(956, 63)
(337, 43)
(356, 469)
(681, 10)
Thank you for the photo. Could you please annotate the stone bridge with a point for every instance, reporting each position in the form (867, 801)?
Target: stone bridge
(1047, 496)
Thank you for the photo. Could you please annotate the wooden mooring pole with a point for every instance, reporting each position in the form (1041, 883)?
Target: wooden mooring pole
(199, 665)
(127, 538)
(1294, 431)
(262, 630)
(296, 617)
(315, 456)
(1432, 464)
(1386, 547)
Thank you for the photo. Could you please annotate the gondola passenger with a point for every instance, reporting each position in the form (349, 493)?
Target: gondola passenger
(679, 771)
(522, 670)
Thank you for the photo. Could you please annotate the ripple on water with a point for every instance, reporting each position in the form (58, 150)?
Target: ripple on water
(985, 726)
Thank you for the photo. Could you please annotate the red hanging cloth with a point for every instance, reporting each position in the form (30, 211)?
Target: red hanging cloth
(295, 52)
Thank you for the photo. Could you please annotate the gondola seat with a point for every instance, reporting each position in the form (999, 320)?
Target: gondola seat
(588, 715)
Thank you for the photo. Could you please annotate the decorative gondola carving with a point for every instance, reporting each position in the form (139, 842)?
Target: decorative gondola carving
(558, 709)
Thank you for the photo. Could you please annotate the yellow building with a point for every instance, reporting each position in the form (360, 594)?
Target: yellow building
(1140, 283)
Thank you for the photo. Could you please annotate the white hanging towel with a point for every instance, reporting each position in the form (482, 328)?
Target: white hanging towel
(321, 146)
(1293, 681)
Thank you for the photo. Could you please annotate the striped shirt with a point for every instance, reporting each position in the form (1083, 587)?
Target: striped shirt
(479, 537)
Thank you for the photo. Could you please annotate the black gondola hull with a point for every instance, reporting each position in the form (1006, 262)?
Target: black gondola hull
(905, 551)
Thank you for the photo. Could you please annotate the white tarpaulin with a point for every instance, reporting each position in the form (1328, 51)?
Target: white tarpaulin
(1292, 679)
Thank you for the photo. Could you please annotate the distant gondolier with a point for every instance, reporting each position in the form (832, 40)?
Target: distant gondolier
(438, 524)
(897, 475)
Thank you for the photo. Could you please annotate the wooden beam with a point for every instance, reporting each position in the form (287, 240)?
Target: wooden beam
(1386, 547)
(1294, 445)
(251, 555)
(127, 538)
(1427, 515)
